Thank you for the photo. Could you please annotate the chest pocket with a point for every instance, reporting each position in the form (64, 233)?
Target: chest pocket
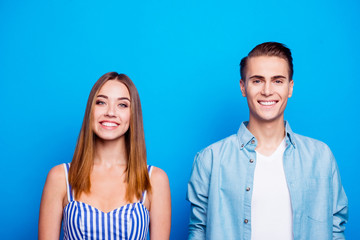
(318, 197)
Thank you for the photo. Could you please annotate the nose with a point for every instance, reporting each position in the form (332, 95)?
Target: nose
(267, 89)
(110, 111)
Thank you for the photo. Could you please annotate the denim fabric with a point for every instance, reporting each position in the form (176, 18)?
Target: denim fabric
(221, 205)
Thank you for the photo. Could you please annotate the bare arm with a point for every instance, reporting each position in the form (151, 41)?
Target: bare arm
(160, 205)
(51, 206)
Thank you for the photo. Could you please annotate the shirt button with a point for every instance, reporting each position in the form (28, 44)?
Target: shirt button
(252, 141)
(246, 221)
(242, 145)
(251, 160)
(248, 189)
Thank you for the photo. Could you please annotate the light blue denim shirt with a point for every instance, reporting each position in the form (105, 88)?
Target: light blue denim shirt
(222, 172)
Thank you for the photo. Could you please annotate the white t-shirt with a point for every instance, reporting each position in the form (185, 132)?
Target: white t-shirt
(271, 213)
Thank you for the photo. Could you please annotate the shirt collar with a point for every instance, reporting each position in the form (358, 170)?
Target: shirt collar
(289, 134)
(245, 136)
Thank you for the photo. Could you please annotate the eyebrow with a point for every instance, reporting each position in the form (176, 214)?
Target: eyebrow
(257, 77)
(120, 98)
(278, 77)
(261, 77)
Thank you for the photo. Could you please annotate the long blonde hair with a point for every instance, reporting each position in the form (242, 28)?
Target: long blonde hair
(137, 177)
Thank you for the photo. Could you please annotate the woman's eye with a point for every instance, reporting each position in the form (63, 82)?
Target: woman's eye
(123, 105)
(99, 102)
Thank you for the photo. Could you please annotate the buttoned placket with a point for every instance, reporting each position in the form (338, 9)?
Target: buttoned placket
(294, 195)
(249, 149)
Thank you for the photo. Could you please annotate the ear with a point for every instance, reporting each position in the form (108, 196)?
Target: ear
(242, 88)
(291, 87)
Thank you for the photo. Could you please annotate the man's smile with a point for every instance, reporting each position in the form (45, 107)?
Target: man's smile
(267, 103)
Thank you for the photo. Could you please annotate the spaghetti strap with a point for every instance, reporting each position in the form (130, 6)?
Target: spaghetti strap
(68, 187)
(149, 167)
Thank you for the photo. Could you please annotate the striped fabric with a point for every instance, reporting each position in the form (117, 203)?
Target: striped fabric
(82, 221)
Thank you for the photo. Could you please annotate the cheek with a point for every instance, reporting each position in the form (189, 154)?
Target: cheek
(287, 93)
(96, 112)
(250, 94)
(127, 116)
(94, 117)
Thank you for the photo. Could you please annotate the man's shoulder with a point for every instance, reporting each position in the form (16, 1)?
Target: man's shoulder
(313, 148)
(221, 145)
(305, 141)
(214, 153)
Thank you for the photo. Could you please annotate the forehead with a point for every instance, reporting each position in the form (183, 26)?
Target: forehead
(267, 66)
(114, 88)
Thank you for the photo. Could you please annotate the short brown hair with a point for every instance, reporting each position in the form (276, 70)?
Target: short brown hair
(81, 165)
(271, 49)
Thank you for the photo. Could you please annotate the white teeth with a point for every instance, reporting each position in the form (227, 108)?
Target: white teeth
(108, 124)
(267, 103)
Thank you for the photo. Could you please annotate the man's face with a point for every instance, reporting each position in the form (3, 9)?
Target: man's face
(267, 87)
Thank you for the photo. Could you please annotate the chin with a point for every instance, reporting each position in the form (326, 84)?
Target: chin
(267, 118)
(109, 138)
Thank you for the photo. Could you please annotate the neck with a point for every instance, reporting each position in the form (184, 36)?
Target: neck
(110, 153)
(269, 134)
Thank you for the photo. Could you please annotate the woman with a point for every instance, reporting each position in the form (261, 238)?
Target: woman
(108, 191)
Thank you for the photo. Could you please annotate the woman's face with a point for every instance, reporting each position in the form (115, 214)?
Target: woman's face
(111, 112)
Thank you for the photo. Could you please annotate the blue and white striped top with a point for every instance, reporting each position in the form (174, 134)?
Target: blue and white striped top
(82, 221)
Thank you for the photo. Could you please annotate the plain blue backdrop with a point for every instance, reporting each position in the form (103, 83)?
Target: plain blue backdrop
(183, 57)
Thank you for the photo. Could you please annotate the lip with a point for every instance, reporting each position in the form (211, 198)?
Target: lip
(109, 124)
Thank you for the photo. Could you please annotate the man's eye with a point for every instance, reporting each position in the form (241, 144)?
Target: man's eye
(278, 81)
(256, 81)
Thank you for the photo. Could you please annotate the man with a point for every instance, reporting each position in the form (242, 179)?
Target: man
(266, 182)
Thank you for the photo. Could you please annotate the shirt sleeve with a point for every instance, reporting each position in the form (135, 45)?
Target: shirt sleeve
(340, 203)
(197, 195)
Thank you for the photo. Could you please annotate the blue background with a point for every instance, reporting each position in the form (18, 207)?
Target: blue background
(183, 57)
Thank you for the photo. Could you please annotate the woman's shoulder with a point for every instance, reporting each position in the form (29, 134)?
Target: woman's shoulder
(157, 174)
(57, 171)
(55, 184)
(56, 176)
(159, 181)
(160, 200)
